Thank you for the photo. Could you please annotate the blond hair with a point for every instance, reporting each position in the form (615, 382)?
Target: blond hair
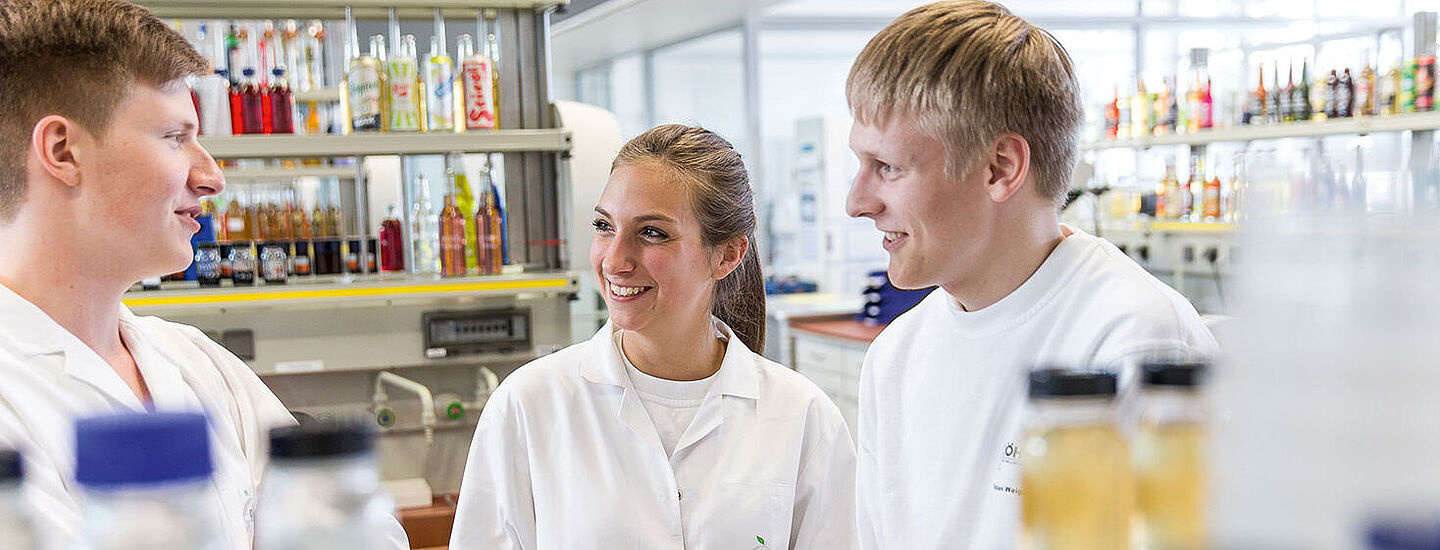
(713, 176)
(76, 59)
(965, 72)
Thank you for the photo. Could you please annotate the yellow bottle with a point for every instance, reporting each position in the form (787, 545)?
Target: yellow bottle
(1169, 458)
(1077, 489)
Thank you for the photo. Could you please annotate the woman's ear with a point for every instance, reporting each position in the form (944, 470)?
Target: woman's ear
(732, 252)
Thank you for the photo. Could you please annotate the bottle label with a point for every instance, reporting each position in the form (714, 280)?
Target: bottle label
(404, 105)
(440, 85)
(478, 79)
(363, 86)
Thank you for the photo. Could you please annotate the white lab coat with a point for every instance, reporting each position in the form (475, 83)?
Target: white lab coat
(566, 457)
(48, 377)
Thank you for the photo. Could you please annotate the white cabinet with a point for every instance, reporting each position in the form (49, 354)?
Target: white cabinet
(833, 363)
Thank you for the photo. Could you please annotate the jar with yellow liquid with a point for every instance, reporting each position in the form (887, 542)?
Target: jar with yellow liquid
(1076, 482)
(1169, 456)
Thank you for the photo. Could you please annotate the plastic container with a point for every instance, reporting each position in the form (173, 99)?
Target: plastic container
(322, 491)
(1076, 486)
(147, 485)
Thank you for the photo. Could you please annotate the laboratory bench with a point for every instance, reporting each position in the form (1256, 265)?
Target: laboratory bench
(829, 351)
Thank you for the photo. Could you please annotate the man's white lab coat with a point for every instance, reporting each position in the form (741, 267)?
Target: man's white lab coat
(48, 378)
(566, 457)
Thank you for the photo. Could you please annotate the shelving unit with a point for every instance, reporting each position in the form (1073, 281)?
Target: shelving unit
(415, 143)
(331, 9)
(1345, 126)
(356, 291)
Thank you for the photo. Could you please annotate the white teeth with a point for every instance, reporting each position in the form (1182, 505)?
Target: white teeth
(891, 235)
(626, 290)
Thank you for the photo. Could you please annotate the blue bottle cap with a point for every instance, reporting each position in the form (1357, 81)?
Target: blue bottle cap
(141, 448)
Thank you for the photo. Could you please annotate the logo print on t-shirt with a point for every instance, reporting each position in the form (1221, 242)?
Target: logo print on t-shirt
(1007, 470)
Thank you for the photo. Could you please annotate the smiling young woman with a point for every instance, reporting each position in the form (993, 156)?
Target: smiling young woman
(647, 434)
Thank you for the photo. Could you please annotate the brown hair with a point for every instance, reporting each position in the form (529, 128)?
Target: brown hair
(967, 71)
(76, 59)
(720, 191)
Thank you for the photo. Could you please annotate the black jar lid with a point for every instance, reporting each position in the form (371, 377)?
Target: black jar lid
(321, 440)
(10, 466)
(1051, 382)
(1178, 374)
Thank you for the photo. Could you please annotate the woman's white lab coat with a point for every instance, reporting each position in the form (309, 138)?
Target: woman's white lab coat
(565, 457)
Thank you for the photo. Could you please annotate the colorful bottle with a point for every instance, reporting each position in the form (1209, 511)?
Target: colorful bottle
(452, 239)
(1207, 107)
(1345, 95)
(1302, 101)
(282, 104)
(1112, 116)
(1425, 83)
(1288, 107)
(1164, 123)
(252, 104)
(1169, 457)
(489, 248)
(424, 230)
(1405, 102)
(478, 84)
(1278, 98)
(1210, 201)
(465, 199)
(1390, 92)
(1168, 188)
(1140, 119)
(439, 87)
(363, 85)
(392, 242)
(1259, 103)
(403, 98)
(492, 50)
(1365, 92)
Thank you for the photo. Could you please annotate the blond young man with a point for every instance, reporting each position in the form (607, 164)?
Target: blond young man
(100, 182)
(965, 127)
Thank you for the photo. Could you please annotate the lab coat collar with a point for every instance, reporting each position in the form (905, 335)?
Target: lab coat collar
(739, 373)
(30, 331)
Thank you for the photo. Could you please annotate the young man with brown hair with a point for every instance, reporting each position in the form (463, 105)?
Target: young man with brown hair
(965, 128)
(100, 182)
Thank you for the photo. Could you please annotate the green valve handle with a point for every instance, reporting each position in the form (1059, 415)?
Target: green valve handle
(385, 418)
(455, 410)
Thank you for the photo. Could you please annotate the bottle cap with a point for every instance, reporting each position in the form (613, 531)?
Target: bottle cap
(323, 440)
(247, 72)
(1179, 374)
(1071, 383)
(1404, 535)
(10, 466)
(141, 448)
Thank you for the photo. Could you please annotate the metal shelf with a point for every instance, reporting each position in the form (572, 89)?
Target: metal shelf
(331, 9)
(416, 143)
(1344, 126)
(361, 290)
(323, 94)
(288, 174)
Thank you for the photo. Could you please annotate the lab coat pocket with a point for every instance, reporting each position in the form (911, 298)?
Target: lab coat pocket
(755, 515)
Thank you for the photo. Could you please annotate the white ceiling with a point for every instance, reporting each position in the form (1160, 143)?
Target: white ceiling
(618, 27)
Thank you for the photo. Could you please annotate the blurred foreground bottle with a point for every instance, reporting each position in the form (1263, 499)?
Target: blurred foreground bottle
(322, 491)
(1169, 457)
(146, 479)
(1077, 492)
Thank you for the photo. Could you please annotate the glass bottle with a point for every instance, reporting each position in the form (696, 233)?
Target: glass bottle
(452, 239)
(282, 104)
(1185, 209)
(465, 200)
(492, 50)
(402, 75)
(1077, 485)
(477, 85)
(1140, 122)
(364, 84)
(1169, 457)
(439, 84)
(1169, 188)
(392, 242)
(424, 230)
(1112, 116)
(252, 104)
(1210, 201)
(274, 262)
(1365, 92)
(147, 482)
(1345, 95)
(489, 247)
(322, 491)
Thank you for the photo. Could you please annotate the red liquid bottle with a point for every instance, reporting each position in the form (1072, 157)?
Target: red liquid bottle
(392, 248)
(282, 104)
(237, 119)
(252, 104)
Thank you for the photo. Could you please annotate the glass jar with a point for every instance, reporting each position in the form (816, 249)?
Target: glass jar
(1076, 487)
(322, 491)
(242, 264)
(1169, 456)
(275, 263)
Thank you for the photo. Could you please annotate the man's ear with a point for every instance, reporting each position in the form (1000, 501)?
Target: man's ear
(1009, 162)
(732, 253)
(53, 144)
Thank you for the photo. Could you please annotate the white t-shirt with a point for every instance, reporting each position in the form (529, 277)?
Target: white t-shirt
(942, 390)
(671, 403)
